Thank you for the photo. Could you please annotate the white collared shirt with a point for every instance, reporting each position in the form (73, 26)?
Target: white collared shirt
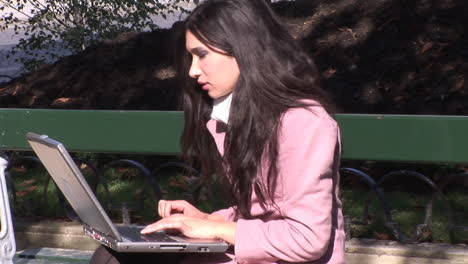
(221, 108)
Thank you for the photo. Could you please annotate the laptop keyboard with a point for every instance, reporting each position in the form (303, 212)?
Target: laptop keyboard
(133, 234)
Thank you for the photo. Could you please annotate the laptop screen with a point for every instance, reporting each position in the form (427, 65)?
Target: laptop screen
(71, 182)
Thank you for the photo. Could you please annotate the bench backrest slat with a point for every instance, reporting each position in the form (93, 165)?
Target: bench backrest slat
(405, 138)
(95, 131)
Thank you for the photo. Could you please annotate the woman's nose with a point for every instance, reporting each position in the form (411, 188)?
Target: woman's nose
(194, 71)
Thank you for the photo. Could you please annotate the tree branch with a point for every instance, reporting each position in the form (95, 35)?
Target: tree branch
(57, 19)
(37, 4)
(15, 8)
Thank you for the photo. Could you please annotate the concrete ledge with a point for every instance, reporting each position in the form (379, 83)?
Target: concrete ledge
(69, 235)
(52, 234)
(52, 255)
(380, 251)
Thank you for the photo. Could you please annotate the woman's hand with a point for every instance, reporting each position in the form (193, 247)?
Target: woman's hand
(168, 208)
(195, 227)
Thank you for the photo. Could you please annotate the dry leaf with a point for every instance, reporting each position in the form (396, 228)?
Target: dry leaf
(448, 67)
(27, 182)
(329, 73)
(381, 236)
(26, 192)
(427, 46)
(459, 84)
(61, 100)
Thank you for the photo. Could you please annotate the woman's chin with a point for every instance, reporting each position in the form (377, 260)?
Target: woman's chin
(213, 95)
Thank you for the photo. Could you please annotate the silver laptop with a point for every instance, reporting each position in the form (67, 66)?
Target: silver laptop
(97, 224)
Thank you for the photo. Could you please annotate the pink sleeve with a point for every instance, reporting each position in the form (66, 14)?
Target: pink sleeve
(228, 214)
(308, 152)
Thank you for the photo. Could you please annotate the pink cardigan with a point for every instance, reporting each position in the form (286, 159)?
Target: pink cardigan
(308, 226)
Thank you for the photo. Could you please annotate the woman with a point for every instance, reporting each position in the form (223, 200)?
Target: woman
(255, 113)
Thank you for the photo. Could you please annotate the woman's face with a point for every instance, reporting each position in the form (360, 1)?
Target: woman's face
(215, 72)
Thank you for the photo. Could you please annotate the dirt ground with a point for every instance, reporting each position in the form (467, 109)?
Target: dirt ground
(375, 56)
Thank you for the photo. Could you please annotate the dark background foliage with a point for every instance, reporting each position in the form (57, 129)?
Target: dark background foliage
(379, 56)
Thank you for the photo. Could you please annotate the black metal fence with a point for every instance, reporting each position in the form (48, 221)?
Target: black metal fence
(376, 187)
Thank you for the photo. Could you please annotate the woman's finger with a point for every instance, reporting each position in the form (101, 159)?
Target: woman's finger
(173, 223)
(168, 208)
(160, 208)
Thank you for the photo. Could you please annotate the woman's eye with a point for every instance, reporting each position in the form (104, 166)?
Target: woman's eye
(202, 54)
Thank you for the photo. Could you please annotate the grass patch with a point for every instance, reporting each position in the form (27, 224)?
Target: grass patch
(407, 209)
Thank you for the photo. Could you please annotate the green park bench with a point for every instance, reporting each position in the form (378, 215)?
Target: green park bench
(394, 138)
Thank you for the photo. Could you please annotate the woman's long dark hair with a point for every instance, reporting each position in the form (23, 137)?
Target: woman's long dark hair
(275, 75)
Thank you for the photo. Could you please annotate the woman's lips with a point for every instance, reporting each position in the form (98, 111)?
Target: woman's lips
(203, 85)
